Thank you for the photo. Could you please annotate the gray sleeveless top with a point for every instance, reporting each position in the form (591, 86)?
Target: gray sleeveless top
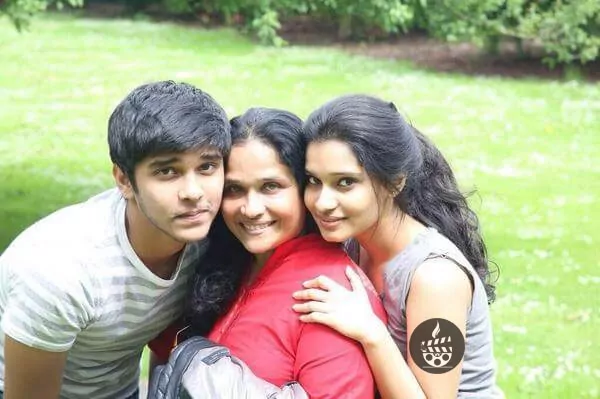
(478, 371)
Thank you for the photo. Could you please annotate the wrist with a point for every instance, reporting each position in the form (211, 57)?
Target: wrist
(376, 334)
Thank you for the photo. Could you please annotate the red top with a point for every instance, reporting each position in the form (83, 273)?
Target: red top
(262, 329)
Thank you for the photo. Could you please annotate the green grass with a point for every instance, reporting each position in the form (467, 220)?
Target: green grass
(530, 147)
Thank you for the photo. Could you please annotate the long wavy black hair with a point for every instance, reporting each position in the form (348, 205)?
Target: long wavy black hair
(221, 272)
(389, 148)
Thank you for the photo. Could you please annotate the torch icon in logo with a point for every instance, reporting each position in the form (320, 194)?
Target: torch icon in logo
(437, 352)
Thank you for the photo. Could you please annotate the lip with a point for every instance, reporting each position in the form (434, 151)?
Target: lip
(195, 216)
(256, 228)
(329, 222)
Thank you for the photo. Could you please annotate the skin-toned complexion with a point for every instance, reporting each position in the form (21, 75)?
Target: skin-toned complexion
(173, 201)
(261, 203)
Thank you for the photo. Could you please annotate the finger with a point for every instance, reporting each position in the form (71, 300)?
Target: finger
(322, 282)
(355, 281)
(316, 317)
(315, 294)
(312, 306)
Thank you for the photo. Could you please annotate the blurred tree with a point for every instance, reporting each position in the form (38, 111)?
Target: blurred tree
(21, 11)
(568, 31)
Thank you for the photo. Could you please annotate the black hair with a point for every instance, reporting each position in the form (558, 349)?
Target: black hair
(390, 149)
(164, 117)
(221, 272)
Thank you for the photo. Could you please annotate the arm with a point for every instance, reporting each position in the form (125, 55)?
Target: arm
(394, 379)
(24, 364)
(439, 289)
(350, 313)
(41, 321)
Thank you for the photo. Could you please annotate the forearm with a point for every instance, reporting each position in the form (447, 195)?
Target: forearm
(393, 377)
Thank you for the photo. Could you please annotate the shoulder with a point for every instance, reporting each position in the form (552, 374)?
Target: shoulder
(440, 278)
(61, 248)
(311, 255)
(440, 274)
(69, 230)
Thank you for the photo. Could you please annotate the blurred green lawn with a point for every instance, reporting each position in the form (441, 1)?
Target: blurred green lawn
(530, 147)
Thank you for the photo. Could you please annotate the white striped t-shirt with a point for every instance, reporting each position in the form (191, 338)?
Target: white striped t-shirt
(72, 282)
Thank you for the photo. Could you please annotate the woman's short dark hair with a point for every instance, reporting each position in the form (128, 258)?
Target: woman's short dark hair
(390, 149)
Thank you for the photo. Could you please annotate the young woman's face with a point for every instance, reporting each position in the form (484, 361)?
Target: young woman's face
(262, 204)
(339, 194)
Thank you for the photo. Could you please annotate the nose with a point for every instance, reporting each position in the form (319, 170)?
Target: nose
(254, 207)
(326, 201)
(191, 189)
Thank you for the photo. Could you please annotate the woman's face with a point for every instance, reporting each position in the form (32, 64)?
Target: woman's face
(262, 204)
(339, 194)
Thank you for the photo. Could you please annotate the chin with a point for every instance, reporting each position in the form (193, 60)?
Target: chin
(257, 249)
(334, 236)
(193, 235)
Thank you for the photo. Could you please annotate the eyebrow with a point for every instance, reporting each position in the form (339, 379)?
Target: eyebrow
(205, 156)
(211, 156)
(263, 179)
(353, 174)
(159, 162)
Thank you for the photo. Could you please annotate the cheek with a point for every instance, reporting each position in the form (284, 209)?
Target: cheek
(310, 197)
(361, 203)
(229, 210)
(291, 207)
(213, 187)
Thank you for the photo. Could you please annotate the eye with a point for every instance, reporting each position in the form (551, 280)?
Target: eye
(346, 182)
(271, 187)
(208, 167)
(165, 172)
(232, 189)
(313, 181)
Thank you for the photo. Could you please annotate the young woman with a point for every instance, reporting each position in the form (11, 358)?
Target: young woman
(269, 256)
(375, 179)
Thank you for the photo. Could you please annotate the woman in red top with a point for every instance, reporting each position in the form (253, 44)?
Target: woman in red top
(270, 255)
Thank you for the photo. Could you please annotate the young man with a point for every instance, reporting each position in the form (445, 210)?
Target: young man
(84, 289)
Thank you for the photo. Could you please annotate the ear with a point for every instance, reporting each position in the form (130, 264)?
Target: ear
(397, 185)
(123, 182)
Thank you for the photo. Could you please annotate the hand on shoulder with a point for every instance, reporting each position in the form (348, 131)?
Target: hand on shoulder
(349, 312)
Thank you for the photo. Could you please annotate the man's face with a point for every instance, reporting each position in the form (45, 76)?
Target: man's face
(177, 195)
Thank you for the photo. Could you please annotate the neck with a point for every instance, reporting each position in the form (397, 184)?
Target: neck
(155, 249)
(391, 236)
(257, 265)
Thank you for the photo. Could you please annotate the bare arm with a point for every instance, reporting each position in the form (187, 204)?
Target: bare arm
(31, 373)
(393, 377)
(439, 290)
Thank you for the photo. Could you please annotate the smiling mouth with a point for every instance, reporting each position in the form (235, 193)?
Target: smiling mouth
(256, 227)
